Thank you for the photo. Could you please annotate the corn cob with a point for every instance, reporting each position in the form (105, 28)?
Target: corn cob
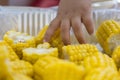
(4, 63)
(33, 54)
(76, 53)
(40, 36)
(116, 56)
(19, 41)
(108, 35)
(55, 40)
(119, 71)
(11, 54)
(51, 68)
(98, 60)
(22, 67)
(7, 68)
(107, 73)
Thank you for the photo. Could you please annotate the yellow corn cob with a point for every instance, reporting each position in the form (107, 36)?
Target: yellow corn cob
(51, 68)
(116, 56)
(76, 53)
(22, 67)
(11, 54)
(108, 35)
(107, 73)
(40, 36)
(119, 71)
(98, 60)
(19, 41)
(33, 54)
(20, 77)
(4, 63)
(55, 41)
(7, 68)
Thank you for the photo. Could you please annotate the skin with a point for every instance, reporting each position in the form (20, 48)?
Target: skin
(71, 14)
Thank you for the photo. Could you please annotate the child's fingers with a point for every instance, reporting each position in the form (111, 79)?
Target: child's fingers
(65, 31)
(88, 22)
(77, 28)
(51, 29)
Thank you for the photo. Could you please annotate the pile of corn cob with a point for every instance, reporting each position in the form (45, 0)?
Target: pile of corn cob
(24, 57)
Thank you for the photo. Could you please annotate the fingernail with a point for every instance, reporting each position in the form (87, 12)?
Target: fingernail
(92, 33)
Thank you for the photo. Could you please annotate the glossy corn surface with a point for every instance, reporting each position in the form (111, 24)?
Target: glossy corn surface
(107, 73)
(98, 60)
(22, 67)
(51, 68)
(10, 52)
(4, 63)
(108, 35)
(116, 56)
(76, 53)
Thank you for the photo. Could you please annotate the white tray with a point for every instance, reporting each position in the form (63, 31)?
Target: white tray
(32, 21)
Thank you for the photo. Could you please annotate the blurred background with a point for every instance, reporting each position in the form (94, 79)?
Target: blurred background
(45, 3)
(16, 2)
(33, 3)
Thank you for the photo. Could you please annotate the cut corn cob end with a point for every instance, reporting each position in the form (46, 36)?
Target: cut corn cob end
(98, 60)
(22, 67)
(107, 73)
(108, 35)
(116, 56)
(51, 68)
(76, 53)
(11, 54)
(33, 54)
(19, 41)
(44, 45)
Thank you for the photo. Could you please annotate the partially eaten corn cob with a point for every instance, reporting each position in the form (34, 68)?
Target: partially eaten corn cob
(33, 54)
(116, 56)
(19, 41)
(51, 68)
(55, 40)
(107, 73)
(76, 53)
(98, 60)
(11, 54)
(22, 67)
(108, 35)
